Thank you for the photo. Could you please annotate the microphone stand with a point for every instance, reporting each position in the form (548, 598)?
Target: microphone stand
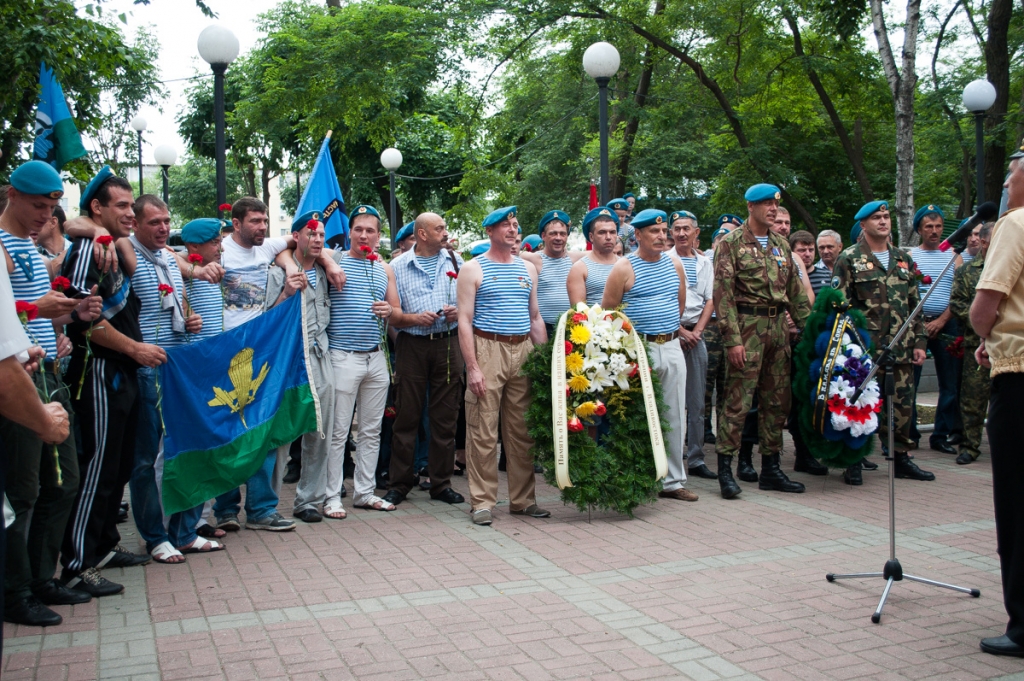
(893, 571)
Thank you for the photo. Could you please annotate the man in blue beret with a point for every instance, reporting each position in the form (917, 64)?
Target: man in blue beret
(652, 284)
(588, 275)
(553, 263)
(404, 241)
(623, 211)
(940, 325)
(631, 200)
(878, 279)
(498, 314)
(531, 244)
(755, 285)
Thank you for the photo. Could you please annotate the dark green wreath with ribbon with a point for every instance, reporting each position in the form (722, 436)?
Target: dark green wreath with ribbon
(616, 475)
(834, 351)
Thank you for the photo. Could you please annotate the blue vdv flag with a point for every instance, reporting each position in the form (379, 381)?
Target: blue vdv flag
(228, 400)
(57, 138)
(323, 194)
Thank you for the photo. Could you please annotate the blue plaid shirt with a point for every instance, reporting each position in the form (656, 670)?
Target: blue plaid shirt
(417, 294)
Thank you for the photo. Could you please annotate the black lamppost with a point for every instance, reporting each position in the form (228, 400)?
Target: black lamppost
(601, 62)
(165, 156)
(139, 125)
(218, 47)
(979, 96)
(391, 159)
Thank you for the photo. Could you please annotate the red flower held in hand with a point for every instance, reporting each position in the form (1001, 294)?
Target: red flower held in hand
(312, 225)
(927, 279)
(373, 257)
(105, 240)
(61, 284)
(26, 311)
(452, 275)
(165, 289)
(568, 347)
(195, 258)
(389, 412)
(224, 206)
(364, 248)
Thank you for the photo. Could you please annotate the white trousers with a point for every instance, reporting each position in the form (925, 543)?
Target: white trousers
(668, 361)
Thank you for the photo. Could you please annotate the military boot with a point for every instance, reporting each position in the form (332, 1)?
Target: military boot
(772, 477)
(805, 463)
(725, 480)
(905, 468)
(744, 464)
(852, 475)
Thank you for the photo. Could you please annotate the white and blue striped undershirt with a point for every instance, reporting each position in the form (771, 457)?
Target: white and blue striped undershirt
(429, 265)
(552, 292)
(763, 240)
(311, 277)
(931, 263)
(652, 304)
(145, 283)
(353, 327)
(30, 282)
(206, 301)
(883, 257)
(690, 267)
(966, 257)
(503, 300)
(597, 277)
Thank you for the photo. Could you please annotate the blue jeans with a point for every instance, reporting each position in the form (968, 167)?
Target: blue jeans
(260, 498)
(947, 370)
(146, 506)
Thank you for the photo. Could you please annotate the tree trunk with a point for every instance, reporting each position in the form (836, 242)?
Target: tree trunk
(902, 83)
(997, 63)
(852, 153)
(265, 184)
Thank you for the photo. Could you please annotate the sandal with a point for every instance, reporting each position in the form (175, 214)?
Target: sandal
(201, 545)
(210, 532)
(164, 553)
(375, 503)
(334, 510)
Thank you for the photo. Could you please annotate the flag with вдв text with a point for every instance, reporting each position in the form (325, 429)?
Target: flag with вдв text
(229, 400)
(57, 138)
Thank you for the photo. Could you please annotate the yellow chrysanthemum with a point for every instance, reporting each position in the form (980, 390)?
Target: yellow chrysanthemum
(586, 410)
(574, 363)
(580, 335)
(578, 383)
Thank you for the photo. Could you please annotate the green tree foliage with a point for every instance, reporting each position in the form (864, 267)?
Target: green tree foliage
(194, 188)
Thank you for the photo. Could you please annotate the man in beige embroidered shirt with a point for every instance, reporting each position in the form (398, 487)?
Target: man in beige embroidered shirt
(997, 316)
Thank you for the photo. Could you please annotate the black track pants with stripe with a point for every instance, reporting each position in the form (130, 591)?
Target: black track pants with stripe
(107, 413)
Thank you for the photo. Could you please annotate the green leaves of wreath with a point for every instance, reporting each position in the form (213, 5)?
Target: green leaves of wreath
(617, 475)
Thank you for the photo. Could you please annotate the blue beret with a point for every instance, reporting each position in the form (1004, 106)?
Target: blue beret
(404, 233)
(648, 217)
(730, 219)
(870, 207)
(38, 179)
(762, 192)
(300, 220)
(628, 195)
(551, 215)
(201, 230)
(93, 187)
(594, 214)
(494, 217)
(721, 231)
(925, 211)
(479, 248)
(618, 204)
(363, 209)
(682, 214)
(855, 231)
(531, 242)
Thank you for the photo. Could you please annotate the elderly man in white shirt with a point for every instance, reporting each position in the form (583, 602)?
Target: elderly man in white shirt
(699, 306)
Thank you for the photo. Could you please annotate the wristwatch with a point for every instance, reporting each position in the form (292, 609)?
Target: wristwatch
(74, 316)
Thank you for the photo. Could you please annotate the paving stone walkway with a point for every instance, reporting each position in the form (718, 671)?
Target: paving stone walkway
(709, 590)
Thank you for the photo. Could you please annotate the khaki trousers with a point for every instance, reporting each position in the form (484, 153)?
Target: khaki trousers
(507, 396)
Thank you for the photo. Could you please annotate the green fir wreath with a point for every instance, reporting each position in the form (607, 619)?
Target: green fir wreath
(617, 475)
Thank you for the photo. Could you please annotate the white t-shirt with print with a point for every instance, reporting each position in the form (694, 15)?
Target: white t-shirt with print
(245, 279)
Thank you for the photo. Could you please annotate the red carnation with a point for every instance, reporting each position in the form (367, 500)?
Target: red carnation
(165, 289)
(568, 348)
(61, 284)
(632, 372)
(26, 311)
(601, 410)
(364, 248)
(105, 240)
(312, 225)
(452, 275)
(575, 425)
(389, 412)
(195, 258)
(372, 257)
(224, 206)
(579, 317)
(927, 279)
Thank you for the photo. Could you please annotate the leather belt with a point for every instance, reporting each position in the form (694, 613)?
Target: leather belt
(759, 310)
(660, 338)
(500, 337)
(433, 336)
(363, 352)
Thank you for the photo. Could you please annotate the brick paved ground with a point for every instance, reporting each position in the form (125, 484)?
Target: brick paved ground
(712, 590)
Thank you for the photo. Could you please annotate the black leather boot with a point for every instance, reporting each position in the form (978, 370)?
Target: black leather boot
(852, 476)
(905, 468)
(772, 477)
(293, 471)
(744, 463)
(730, 489)
(805, 463)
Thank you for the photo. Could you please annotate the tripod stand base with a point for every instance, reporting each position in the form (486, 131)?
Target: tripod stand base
(893, 572)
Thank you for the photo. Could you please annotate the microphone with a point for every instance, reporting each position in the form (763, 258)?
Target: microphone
(985, 212)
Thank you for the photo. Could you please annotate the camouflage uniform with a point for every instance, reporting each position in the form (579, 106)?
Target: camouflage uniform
(716, 372)
(749, 276)
(886, 297)
(975, 380)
